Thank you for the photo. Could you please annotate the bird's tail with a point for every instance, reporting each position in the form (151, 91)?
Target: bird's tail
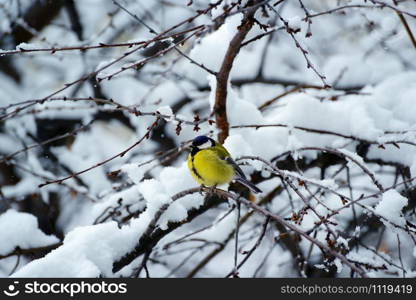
(248, 184)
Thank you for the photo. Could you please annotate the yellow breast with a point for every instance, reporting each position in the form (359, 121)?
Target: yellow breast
(207, 169)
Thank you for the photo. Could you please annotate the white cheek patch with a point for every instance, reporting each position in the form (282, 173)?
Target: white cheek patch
(205, 145)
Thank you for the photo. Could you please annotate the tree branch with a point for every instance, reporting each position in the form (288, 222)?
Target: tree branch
(220, 106)
(152, 236)
(280, 220)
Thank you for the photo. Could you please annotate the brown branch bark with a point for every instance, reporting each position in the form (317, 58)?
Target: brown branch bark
(220, 106)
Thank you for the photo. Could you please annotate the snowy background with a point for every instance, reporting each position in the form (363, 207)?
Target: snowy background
(99, 100)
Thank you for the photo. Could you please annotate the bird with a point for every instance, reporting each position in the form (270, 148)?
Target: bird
(210, 164)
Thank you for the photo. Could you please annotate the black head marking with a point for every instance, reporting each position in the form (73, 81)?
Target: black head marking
(201, 142)
(202, 139)
(194, 151)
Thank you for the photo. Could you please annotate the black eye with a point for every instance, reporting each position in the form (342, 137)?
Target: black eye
(199, 140)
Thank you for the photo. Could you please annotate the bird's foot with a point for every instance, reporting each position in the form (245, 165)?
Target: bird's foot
(201, 189)
(209, 190)
(212, 189)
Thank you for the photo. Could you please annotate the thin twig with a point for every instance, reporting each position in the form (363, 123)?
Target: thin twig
(237, 230)
(153, 31)
(120, 154)
(46, 142)
(407, 28)
(294, 228)
(304, 52)
(251, 251)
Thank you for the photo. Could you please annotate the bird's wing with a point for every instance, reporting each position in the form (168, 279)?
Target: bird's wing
(248, 184)
(240, 172)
